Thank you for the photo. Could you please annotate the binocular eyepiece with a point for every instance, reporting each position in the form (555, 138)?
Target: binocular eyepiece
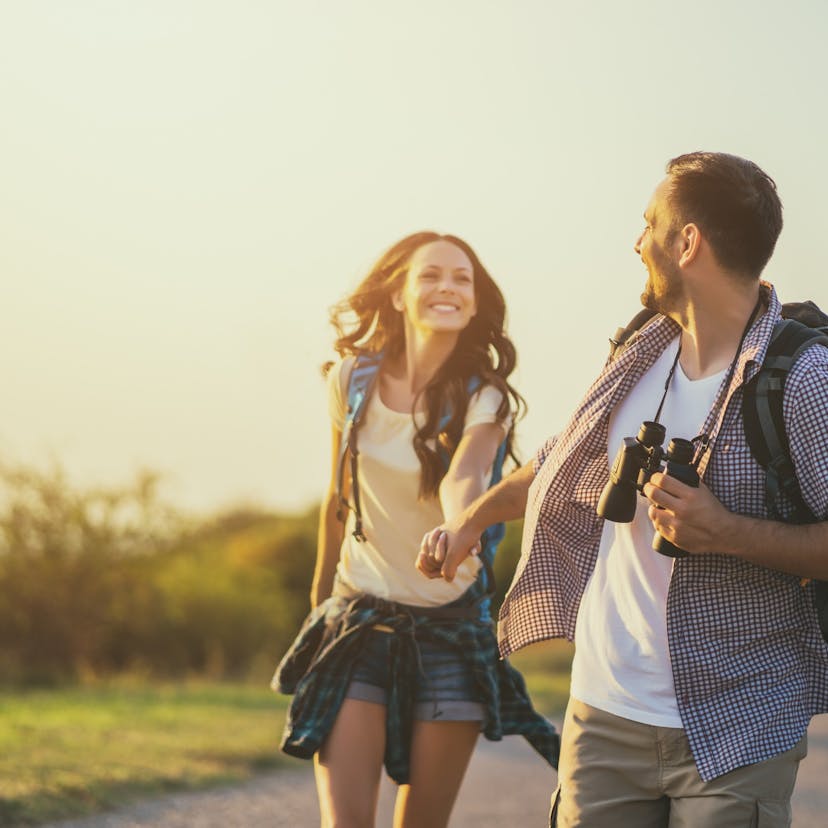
(637, 459)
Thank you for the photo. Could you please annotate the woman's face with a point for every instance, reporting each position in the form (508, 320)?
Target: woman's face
(438, 294)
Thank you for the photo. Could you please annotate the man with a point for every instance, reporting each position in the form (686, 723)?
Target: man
(694, 678)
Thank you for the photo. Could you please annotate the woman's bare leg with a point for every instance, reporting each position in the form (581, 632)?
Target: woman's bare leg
(349, 764)
(440, 753)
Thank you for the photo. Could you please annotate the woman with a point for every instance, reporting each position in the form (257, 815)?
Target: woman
(392, 668)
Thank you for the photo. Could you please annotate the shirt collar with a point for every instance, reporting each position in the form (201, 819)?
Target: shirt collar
(758, 337)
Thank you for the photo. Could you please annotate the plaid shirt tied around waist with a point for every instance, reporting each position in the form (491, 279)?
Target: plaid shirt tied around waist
(750, 666)
(318, 667)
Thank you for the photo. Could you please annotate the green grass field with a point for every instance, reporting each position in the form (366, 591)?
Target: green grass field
(69, 752)
(74, 751)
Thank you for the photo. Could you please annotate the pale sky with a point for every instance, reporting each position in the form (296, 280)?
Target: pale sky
(186, 187)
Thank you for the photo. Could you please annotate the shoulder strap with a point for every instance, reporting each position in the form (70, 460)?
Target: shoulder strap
(634, 325)
(764, 420)
(360, 384)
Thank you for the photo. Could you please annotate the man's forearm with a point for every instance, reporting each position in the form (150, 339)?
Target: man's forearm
(792, 548)
(503, 502)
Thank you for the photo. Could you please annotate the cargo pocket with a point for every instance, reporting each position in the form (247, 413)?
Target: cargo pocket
(553, 810)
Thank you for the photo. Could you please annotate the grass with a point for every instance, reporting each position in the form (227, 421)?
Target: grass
(69, 752)
(74, 751)
(545, 666)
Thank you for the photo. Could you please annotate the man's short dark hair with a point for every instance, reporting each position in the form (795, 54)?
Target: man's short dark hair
(733, 202)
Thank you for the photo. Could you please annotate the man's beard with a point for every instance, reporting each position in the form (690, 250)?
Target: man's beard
(648, 299)
(663, 292)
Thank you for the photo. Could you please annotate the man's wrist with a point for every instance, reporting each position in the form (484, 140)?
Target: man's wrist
(470, 519)
(733, 534)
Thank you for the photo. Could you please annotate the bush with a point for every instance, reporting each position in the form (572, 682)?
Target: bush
(65, 559)
(100, 582)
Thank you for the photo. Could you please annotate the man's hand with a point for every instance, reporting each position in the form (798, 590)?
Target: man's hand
(444, 548)
(693, 519)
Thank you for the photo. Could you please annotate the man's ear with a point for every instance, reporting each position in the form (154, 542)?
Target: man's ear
(689, 243)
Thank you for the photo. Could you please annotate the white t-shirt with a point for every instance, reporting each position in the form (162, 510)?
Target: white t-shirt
(394, 519)
(622, 659)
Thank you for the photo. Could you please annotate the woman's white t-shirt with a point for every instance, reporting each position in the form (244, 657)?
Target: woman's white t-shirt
(394, 519)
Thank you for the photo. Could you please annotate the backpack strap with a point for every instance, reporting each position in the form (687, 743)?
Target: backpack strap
(634, 325)
(764, 420)
(360, 384)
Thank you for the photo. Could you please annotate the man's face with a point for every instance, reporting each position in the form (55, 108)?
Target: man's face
(656, 247)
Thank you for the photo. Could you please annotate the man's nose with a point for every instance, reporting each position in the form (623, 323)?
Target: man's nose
(637, 245)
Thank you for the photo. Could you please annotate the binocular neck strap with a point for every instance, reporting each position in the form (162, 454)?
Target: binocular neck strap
(705, 440)
(668, 381)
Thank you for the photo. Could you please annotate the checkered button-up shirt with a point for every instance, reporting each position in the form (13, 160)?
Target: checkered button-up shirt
(750, 665)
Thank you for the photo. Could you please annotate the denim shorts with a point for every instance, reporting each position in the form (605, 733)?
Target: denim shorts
(445, 688)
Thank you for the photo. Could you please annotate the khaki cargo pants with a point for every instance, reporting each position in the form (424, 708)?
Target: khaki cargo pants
(616, 773)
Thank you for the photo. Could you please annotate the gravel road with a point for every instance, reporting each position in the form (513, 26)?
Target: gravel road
(506, 785)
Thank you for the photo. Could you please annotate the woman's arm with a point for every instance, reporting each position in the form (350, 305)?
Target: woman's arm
(330, 534)
(466, 479)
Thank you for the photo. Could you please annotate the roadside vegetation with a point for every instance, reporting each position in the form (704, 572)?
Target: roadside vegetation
(136, 646)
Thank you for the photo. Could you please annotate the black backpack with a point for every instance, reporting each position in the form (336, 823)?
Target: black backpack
(802, 325)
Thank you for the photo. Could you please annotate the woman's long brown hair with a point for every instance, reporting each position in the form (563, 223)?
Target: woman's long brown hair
(367, 322)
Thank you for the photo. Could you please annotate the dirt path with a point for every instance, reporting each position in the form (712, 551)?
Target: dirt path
(507, 785)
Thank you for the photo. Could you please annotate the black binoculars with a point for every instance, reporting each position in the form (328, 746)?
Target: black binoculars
(636, 460)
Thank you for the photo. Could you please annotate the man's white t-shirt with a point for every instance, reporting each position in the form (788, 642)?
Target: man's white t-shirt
(622, 660)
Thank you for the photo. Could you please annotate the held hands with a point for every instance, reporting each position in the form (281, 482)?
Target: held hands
(693, 519)
(444, 548)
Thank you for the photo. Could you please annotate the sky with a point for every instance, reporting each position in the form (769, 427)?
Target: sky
(187, 187)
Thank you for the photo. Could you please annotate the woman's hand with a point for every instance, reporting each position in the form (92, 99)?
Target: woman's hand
(443, 549)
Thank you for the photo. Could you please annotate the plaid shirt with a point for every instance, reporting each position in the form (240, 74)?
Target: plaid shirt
(750, 665)
(318, 667)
